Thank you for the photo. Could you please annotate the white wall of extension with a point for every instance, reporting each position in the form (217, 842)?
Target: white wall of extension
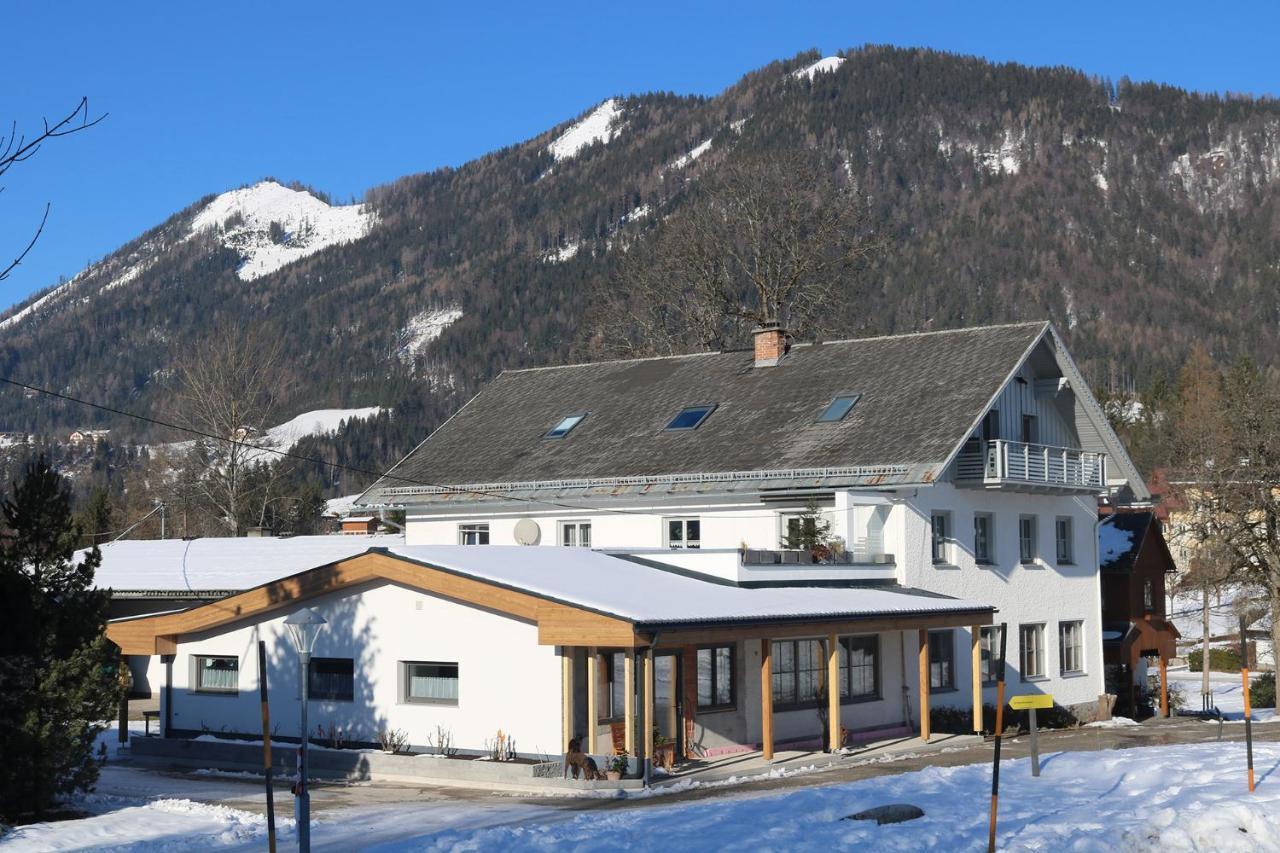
(506, 680)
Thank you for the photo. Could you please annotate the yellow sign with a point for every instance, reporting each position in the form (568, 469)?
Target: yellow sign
(1030, 700)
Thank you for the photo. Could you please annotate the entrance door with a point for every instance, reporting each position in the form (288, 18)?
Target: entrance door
(667, 705)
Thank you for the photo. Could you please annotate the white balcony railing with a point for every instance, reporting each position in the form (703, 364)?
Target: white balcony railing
(1013, 462)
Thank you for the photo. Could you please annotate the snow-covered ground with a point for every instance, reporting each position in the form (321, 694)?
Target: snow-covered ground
(1228, 694)
(1186, 798)
(424, 328)
(823, 66)
(602, 123)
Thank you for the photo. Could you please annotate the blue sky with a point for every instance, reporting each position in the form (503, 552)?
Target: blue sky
(343, 96)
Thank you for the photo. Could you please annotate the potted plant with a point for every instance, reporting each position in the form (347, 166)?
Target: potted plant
(617, 766)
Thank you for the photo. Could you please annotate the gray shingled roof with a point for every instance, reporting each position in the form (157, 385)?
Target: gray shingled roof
(921, 394)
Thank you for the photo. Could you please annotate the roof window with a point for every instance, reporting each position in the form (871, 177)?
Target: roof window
(838, 408)
(690, 417)
(565, 426)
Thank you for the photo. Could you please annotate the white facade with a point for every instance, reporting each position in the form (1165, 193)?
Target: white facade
(506, 680)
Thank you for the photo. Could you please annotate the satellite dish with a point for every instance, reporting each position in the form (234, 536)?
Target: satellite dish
(528, 532)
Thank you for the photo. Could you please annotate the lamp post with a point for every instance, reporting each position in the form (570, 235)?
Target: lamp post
(304, 626)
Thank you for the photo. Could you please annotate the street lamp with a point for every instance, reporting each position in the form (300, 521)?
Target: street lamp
(304, 626)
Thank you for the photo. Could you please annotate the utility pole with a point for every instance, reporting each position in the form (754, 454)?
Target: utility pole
(163, 511)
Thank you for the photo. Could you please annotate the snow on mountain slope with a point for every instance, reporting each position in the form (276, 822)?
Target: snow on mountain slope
(823, 66)
(305, 225)
(424, 328)
(694, 153)
(317, 422)
(602, 123)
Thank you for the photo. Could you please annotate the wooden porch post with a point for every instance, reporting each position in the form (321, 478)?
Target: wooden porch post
(924, 684)
(649, 718)
(833, 694)
(629, 700)
(689, 667)
(766, 699)
(593, 717)
(566, 694)
(975, 651)
(1164, 686)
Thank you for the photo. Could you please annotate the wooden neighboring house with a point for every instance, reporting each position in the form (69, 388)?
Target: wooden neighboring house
(1134, 565)
(360, 525)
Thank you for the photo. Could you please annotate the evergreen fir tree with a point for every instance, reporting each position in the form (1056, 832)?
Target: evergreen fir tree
(58, 671)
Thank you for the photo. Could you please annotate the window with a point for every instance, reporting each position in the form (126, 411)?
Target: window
(1027, 538)
(715, 678)
(1148, 595)
(684, 533)
(983, 536)
(575, 534)
(690, 418)
(838, 408)
(1031, 638)
(860, 668)
(473, 534)
(942, 660)
(991, 426)
(431, 683)
(1062, 533)
(989, 647)
(1071, 647)
(613, 685)
(1030, 429)
(940, 523)
(565, 426)
(217, 674)
(797, 672)
(332, 679)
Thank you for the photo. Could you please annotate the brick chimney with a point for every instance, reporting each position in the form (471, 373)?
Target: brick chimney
(771, 344)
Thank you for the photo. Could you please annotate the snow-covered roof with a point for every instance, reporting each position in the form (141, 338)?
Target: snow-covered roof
(647, 595)
(219, 563)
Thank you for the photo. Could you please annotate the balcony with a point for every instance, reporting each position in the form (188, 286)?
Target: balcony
(1030, 467)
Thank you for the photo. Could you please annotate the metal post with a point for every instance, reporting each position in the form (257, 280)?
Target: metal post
(995, 761)
(266, 746)
(163, 512)
(304, 795)
(1035, 745)
(1248, 709)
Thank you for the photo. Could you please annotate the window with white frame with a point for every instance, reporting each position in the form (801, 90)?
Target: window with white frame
(216, 673)
(1071, 647)
(715, 678)
(1027, 538)
(989, 649)
(430, 682)
(473, 534)
(1062, 529)
(575, 534)
(942, 660)
(940, 535)
(1031, 650)
(984, 536)
(683, 533)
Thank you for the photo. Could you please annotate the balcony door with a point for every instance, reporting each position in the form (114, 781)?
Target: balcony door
(1030, 430)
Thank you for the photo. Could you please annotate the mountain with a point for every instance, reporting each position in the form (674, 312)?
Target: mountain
(1138, 217)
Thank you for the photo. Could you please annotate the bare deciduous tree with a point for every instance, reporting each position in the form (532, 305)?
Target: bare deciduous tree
(761, 241)
(16, 147)
(229, 391)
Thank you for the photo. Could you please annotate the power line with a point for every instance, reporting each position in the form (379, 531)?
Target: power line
(336, 465)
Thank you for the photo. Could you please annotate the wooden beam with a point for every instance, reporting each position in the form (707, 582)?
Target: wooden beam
(593, 681)
(629, 700)
(924, 684)
(833, 694)
(705, 636)
(1164, 686)
(689, 677)
(766, 698)
(566, 695)
(650, 720)
(975, 652)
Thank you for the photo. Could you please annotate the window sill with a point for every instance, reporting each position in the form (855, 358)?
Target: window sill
(985, 564)
(1034, 679)
(945, 566)
(442, 703)
(933, 690)
(1079, 673)
(199, 692)
(1031, 564)
(1066, 562)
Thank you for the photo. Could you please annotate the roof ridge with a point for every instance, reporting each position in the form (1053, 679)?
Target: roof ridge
(897, 336)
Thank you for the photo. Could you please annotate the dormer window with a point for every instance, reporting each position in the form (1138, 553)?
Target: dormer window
(690, 418)
(565, 426)
(838, 408)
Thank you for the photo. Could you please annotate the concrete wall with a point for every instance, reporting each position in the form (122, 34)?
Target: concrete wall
(1041, 592)
(506, 680)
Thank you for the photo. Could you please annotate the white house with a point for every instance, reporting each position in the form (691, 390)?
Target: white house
(960, 473)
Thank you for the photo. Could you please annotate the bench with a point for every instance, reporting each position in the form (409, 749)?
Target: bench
(147, 717)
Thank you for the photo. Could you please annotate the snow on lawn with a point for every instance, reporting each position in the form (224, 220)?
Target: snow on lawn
(603, 124)
(1156, 798)
(305, 224)
(1228, 694)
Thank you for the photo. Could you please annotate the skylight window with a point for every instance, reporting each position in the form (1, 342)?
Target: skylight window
(565, 426)
(690, 418)
(838, 408)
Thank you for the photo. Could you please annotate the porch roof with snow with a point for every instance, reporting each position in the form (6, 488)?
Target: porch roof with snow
(576, 597)
(921, 396)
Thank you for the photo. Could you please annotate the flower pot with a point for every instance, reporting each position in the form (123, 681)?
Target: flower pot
(613, 775)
